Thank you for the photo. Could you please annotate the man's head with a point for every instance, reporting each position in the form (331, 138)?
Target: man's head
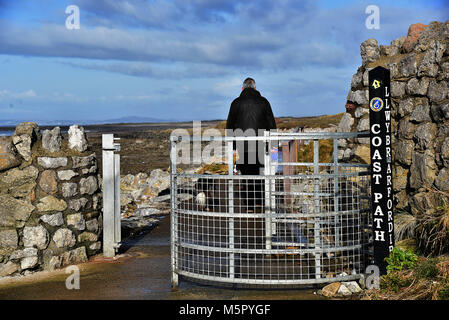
(249, 83)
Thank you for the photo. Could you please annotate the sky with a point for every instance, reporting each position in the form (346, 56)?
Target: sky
(186, 60)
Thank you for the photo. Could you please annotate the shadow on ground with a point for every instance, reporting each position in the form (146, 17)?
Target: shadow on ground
(142, 272)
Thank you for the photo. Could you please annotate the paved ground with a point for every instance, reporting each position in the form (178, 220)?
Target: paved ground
(142, 273)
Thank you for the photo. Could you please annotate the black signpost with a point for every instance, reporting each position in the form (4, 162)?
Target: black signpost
(381, 165)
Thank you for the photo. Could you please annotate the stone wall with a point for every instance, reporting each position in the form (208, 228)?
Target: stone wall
(50, 201)
(419, 67)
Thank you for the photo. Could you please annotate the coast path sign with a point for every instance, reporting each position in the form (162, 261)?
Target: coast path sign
(381, 165)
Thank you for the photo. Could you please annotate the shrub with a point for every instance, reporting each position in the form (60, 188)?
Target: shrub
(433, 231)
(399, 260)
(443, 294)
(426, 268)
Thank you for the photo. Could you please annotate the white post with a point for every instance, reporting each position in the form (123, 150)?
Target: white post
(267, 172)
(231, 206)
(111, 195)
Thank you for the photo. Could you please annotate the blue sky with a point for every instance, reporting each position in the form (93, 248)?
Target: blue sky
(185, 60)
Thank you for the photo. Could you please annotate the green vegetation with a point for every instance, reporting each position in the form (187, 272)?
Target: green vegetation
(432, 231)
(399, 260)
(426, 268)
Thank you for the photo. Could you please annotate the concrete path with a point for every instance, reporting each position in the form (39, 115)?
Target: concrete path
(142, 272)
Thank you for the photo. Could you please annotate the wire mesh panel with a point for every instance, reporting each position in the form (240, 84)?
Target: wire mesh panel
(311, 226)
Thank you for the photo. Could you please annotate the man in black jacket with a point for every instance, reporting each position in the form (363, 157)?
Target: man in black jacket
(250, 114)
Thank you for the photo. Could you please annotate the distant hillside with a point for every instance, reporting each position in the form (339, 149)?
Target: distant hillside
(307, 122)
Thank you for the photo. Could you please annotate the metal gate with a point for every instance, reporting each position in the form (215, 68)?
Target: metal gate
(308, 227)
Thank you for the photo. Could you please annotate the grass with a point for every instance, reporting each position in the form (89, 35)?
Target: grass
(326, 149)
(432, 231)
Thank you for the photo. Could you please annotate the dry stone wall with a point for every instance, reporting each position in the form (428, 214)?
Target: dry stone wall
(50, 200)
(419, 68)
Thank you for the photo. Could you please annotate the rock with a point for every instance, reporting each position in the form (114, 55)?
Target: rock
(399, 178)
(158, 181)
(64, 238)
(418, 87)
(406, 129)
(423, 203)
(445, 110)
(48, 182)
(92, 225)
(77, 221)
(159, 199)
(445, 70)
(145, 212)
(92, 169)
(356, 80)
(433, 55)
(78, 204)
(80, 162)
(13, 209)
(331, 289)
(425, 135)
(55, 220)
(25, 253)
(369, 51)
(51, 139)
(346, 123)
(77, 138)
(8, 239)
(423, 169)
(414, 31)
(435, 30)
(445, 152)
(442, 180)
(69, 189)
(437, 91)
(95, 246)
(398, 89)
(52, 163)
(87, 237)
(77, 255)
(28, 262)
(35, 236)
(343, 290)
(20, 183)
(66, 174)
(353, 286)
(360, 112)
(362, 153)
(394, 70)
(396, 46)
(403, 152)
(359, 97)
(50, 203)
(8, 268)
(9, 157)
(401, 200)
(408, 65)
(54, 263)
(88, 185)
(421, 111)
(25, 135)
(406, 107)
(363, 125)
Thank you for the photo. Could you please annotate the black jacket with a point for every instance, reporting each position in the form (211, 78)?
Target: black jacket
(250, 111)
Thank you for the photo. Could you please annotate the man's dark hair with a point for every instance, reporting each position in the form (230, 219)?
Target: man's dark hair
(249, 83)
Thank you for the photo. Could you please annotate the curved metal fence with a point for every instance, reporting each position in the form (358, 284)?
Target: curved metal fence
(299, 223)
